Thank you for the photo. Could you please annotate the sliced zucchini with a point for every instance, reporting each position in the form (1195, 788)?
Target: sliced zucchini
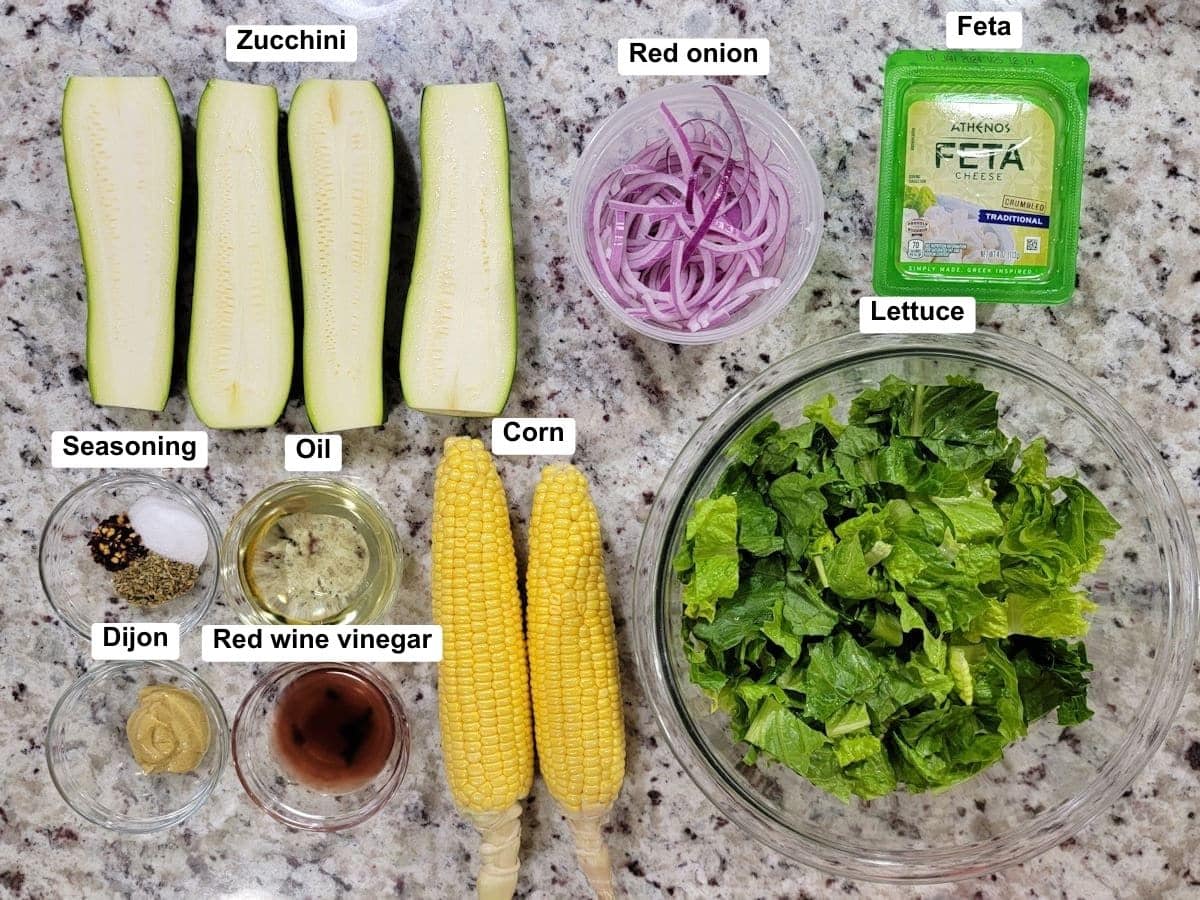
(458, 350)
(340, 148)
(241, 345)
(124, 165)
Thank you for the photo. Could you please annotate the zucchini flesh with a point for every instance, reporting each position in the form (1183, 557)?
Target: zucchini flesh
(123, 151)
(241, 345)
(458, 349)
(340, 149)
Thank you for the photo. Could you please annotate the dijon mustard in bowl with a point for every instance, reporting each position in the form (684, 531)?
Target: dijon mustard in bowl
(123, 758)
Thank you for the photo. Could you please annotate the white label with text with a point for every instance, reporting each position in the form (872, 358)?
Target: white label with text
(322, 643)
(129, 449)
(533, 437)
(916, 315)
(984, 30)
(312, 452)
(291, 43)
(135, 640)
(693, 56)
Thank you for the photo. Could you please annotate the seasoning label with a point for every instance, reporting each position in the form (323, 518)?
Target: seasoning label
(978, 183)
(135, 640)
(322, 643)
(129, 449)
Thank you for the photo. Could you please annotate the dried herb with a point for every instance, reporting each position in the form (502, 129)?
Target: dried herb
(114, 543)
(153, 580)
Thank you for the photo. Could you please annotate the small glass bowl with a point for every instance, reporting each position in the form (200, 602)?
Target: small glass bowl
(270, 784)
(1053, 781)
(380, 585)
(81, 590)
(90, 762)
(640, 122)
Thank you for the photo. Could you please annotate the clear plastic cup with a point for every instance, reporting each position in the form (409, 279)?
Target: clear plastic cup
(640, 122)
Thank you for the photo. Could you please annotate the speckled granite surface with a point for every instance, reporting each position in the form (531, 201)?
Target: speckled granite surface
(1133, 325)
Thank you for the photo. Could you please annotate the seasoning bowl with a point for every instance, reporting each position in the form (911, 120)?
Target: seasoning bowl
(272, 783)
(640, 122)
(1053, 781)
(254, 532)
(81, 590)
(91, 763)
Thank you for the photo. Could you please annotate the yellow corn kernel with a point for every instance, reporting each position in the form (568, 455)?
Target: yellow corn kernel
(483, 682)
(573, 664)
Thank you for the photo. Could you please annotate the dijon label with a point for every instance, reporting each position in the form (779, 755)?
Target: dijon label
(978, 184)
(135, 640)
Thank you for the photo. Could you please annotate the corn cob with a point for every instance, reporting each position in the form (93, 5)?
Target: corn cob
(483, 682)
(573, 665)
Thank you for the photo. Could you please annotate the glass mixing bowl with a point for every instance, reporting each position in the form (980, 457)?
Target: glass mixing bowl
(92, 766)
(1053, 781)
(275, 788)
(639, 123)
(81, 590)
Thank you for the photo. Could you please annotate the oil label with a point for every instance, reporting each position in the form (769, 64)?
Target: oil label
(312, 452)
(978, 183)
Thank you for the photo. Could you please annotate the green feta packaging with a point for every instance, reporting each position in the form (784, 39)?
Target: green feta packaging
(980, 175)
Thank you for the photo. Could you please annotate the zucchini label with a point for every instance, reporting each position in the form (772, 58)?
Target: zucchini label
(291, 43)
(533, 437)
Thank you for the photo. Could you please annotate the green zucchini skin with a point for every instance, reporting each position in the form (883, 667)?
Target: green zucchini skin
(241, 346)
(342, 165)
(458, 349)
(124, 159)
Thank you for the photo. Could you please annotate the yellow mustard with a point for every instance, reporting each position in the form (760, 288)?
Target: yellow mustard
(168, 731)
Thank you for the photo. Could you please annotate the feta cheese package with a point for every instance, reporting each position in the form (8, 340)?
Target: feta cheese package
(980, 174)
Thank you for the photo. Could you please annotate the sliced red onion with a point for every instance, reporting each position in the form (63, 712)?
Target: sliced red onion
(692, 229)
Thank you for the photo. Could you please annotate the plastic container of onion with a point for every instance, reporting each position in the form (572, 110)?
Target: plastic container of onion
(695, 213)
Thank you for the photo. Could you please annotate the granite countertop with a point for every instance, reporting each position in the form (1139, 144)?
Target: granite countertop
(1133, 326)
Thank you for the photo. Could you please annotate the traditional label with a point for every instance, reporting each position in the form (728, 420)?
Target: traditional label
(129, 449)
(984, 30)
(533, 437)
(321, 643)
(291, 43)
(135, 640)
(978, 184)
(693, 56)
(312, 452)
(916, 315)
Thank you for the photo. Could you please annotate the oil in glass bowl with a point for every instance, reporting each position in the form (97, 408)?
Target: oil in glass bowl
(312, 551)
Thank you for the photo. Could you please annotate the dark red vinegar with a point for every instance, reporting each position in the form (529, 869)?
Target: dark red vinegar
(333, 730)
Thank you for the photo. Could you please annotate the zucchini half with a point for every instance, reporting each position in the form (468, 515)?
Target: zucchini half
(241, 345)
(124, 160)
(458, 350)
(340, 149)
